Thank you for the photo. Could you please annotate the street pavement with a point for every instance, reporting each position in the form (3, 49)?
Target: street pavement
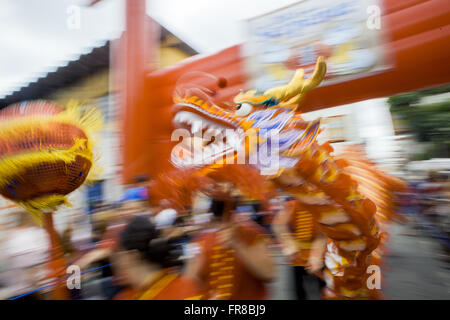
(416, 268)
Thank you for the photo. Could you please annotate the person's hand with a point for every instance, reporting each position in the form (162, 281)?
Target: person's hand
(289, 247)
(315, 265)
(290, 250)
(175, 232)
(83, 262)
(191, 229)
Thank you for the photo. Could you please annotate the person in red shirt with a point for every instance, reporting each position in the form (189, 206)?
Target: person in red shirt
(234, 260)
(147, 264)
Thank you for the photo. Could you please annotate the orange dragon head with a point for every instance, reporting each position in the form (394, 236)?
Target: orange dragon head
(259, 127)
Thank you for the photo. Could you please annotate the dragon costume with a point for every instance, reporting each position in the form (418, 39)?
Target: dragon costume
(345, 213)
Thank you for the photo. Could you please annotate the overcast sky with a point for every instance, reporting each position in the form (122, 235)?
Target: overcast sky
(37, 36)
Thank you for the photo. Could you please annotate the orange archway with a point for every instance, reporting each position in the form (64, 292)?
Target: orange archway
(419, 43)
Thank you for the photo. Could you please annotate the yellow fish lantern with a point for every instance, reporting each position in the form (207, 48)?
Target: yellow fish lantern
(45, 152)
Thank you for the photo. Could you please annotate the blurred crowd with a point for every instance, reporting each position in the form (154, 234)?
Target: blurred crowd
(221, 248)
(426, 202)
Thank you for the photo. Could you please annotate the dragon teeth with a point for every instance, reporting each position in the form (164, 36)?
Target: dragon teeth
(196, 126)
(212, 132)
(191, 118)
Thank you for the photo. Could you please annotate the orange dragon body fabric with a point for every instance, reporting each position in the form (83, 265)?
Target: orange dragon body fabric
(267, 126)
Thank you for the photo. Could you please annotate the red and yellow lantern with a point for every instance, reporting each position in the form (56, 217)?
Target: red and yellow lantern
(46, 152)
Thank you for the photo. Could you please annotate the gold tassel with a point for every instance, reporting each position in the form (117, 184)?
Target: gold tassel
(38, 206)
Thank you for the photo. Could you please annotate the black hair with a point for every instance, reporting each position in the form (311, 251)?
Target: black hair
(140, 234)
(257, 207)
(218, 206)
(141, 178)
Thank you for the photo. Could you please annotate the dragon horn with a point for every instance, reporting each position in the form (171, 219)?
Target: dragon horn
(317, 76)
(298, 86)
(289, 90)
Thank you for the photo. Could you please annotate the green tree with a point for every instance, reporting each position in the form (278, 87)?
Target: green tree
(429, 122)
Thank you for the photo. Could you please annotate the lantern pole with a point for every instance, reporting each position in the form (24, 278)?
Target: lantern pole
(57, 262)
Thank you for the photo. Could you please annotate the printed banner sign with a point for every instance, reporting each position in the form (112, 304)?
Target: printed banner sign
(348, 33)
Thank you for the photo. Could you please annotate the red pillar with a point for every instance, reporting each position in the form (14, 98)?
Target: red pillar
(136, 53)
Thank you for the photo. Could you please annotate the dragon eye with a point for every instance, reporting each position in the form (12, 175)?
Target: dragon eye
(243, 109)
